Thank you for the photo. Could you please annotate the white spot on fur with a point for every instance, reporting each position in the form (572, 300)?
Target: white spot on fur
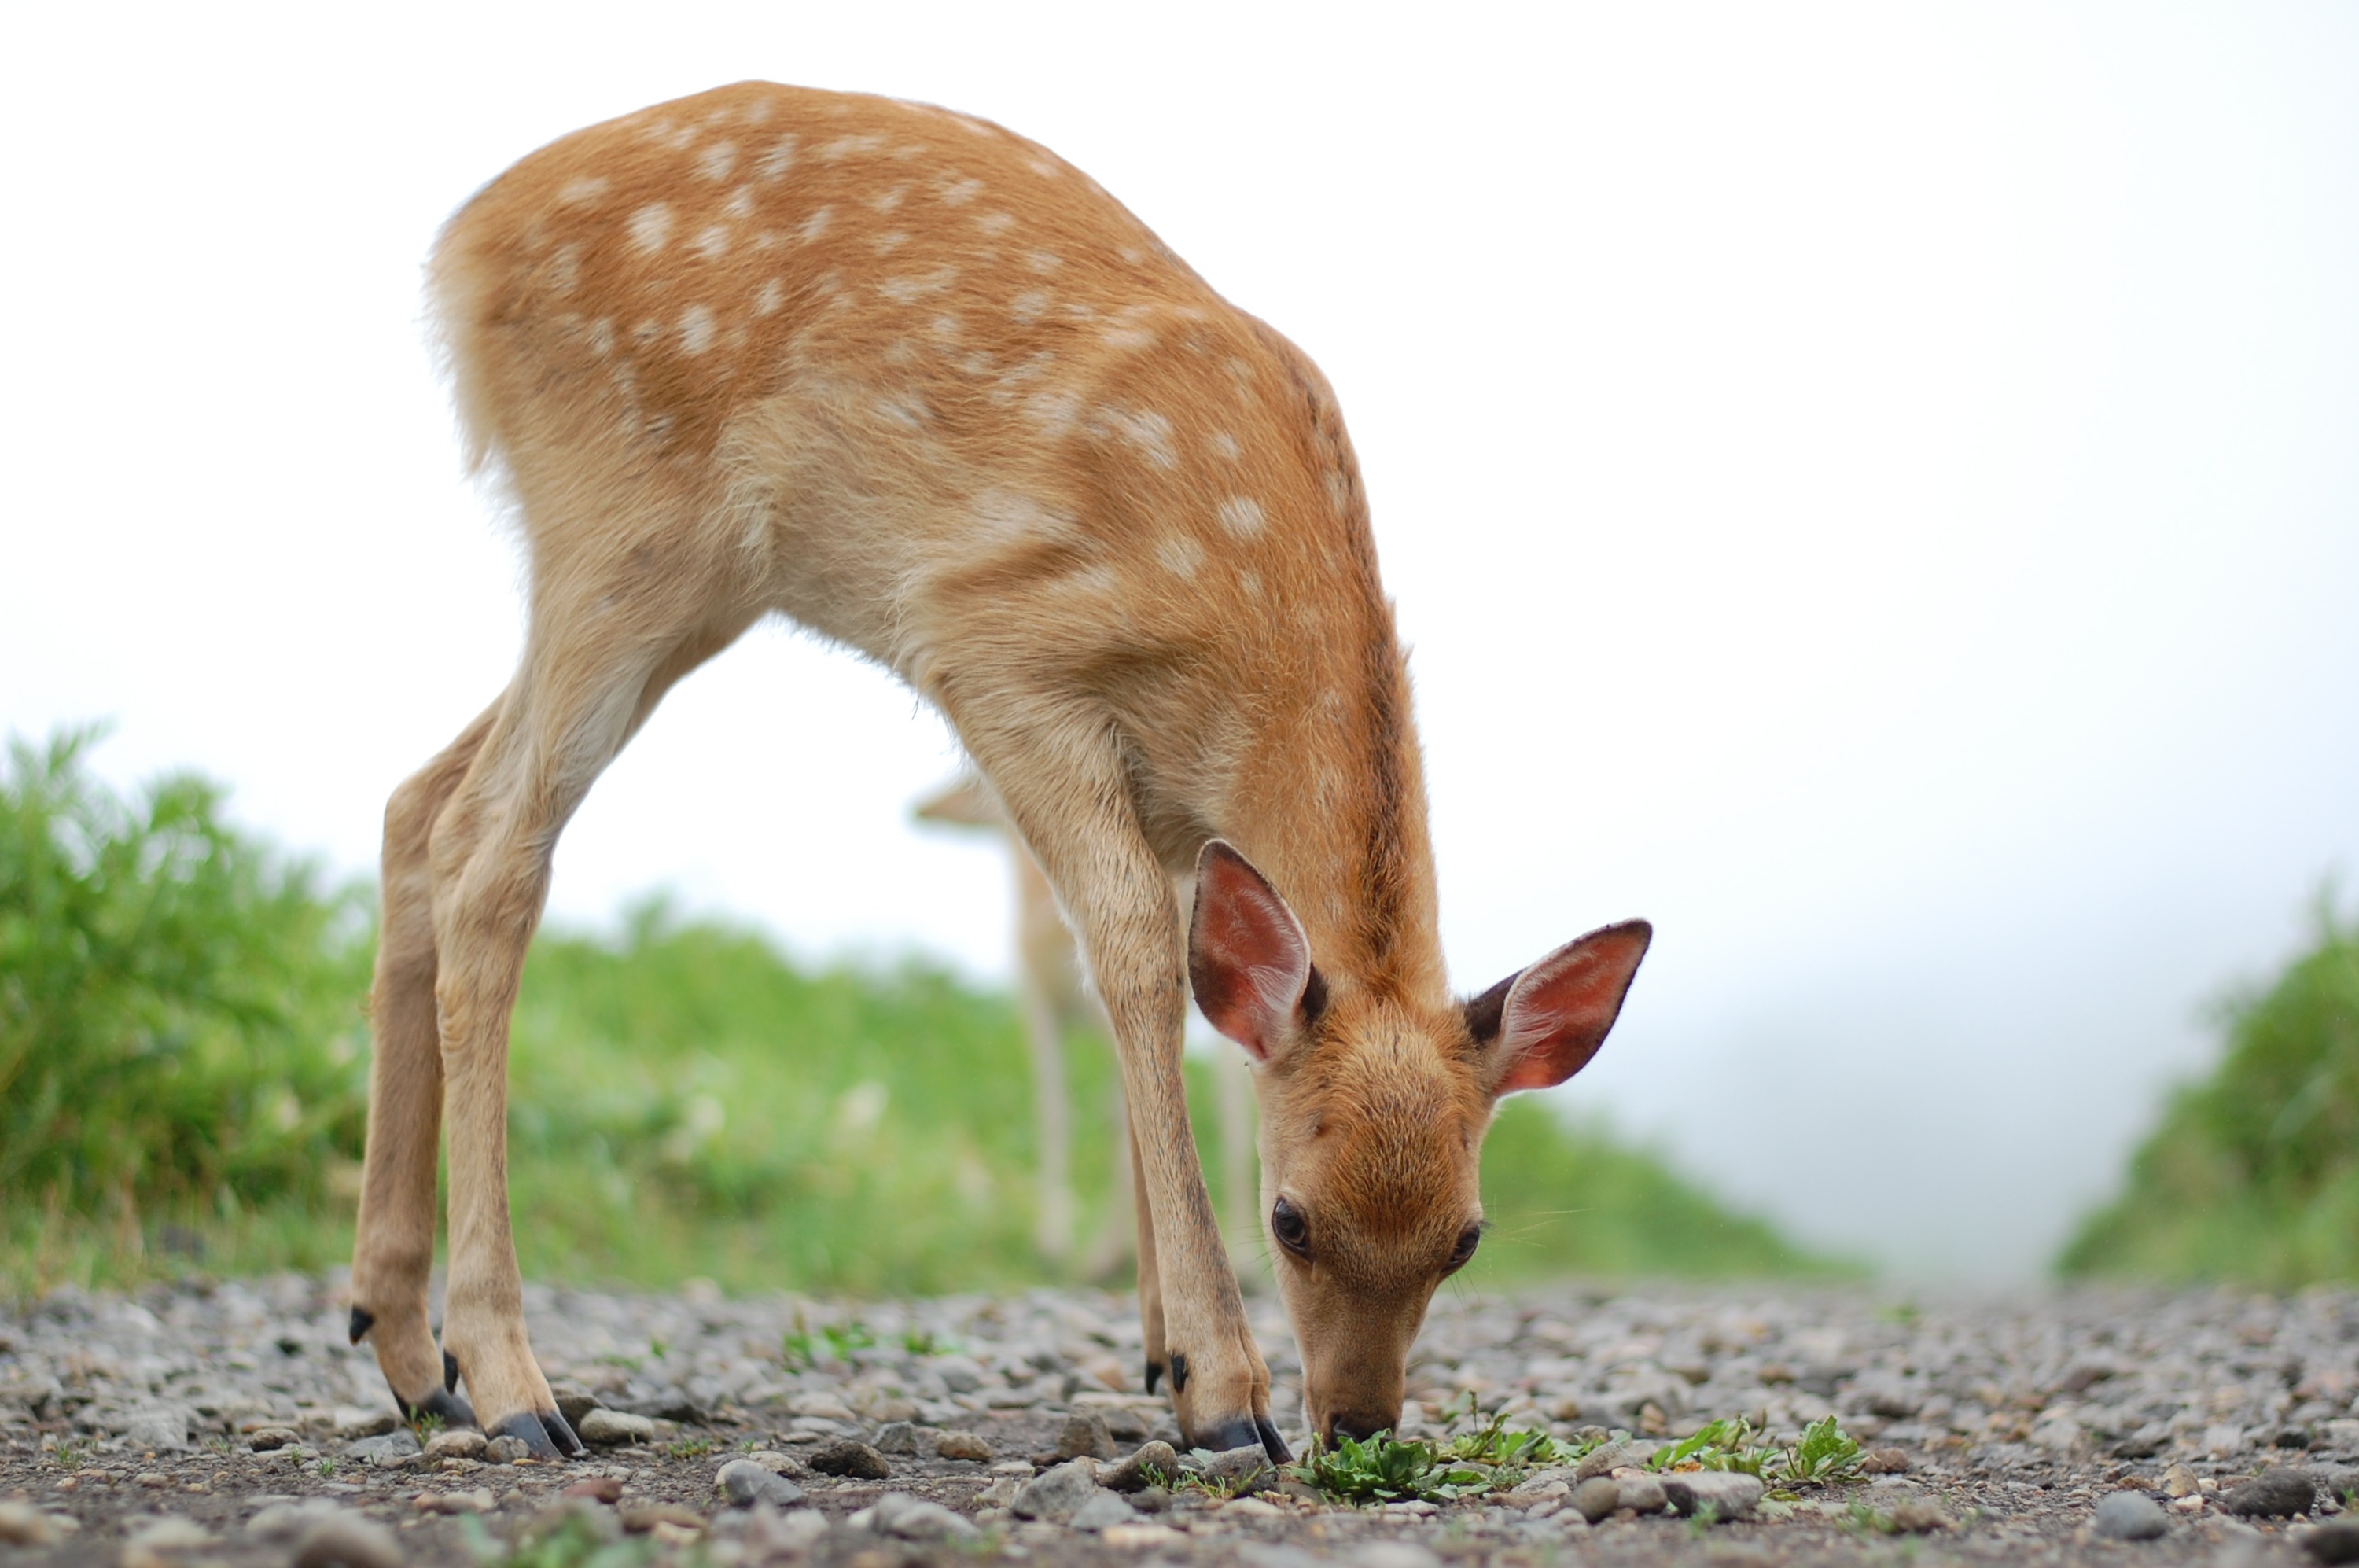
(1339, 492)
(776, 161)
(565, 270)
(695, 329)
(1030, 305)
(740, 203)
(601, 337)
(712, 241)
(650, 226)
(1225, 445)
(1100, 581)
(1147, 431)
(909, 290)
(1251, 583)
(959, 192)
(588, 188)
(889, 201)
(1127, 337)
(1044, 260)
(773, 295)
(843, 147)
(759, 111)
(1057, 413)
(1006, 519)
(1241, 516)
(995, 223)
(1181, 556)
(717, 160)
(1132, 254)
(1043, 167)
(889, 242)
(815, 225)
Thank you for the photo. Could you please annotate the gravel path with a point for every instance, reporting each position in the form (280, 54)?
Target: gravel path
(232, 1424)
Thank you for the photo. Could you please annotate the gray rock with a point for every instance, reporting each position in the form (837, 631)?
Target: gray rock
(1102, 1510)
(2129, 1516)
(911, 1519)
(610, 1429)
(456, 1443)
(387, 1451)
(1242, 1469)
(358, 1421)
(506, 1449)
(1154, 1465)
(575, 1405)
(897, 1437)
(1726, 1495)
(1596, 1496)
(1602, 1461)
(1055, 1494)
(1643, 1493)
(745, 1482)
(960, 1374)
(854, 1461)
(2273, 1494)
(157, 1427)
(966, 1445)
(345, 1540)
(2337, 1541)
(1085, 1437)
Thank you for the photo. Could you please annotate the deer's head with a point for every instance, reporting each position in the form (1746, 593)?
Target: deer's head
(1372, 1112)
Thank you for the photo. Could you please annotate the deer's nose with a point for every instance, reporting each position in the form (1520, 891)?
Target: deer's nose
(1359, 1425)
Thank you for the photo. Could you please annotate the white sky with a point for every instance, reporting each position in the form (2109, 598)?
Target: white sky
(1872, 488)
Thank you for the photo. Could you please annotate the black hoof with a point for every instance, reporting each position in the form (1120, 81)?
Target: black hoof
(1273, 1445)
(544, 1435)
(452, 1409)
(1221, 1436)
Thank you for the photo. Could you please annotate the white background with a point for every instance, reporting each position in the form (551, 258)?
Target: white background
(1872, 488)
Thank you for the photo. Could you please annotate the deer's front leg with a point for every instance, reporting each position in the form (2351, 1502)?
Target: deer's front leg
(1064, 787)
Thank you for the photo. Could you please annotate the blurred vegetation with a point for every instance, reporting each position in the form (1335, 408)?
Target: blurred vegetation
(2254, 1173)
(183, 1084)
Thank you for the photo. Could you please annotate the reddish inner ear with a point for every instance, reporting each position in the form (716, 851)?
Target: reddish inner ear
(1247, 957)
(1559, 1010)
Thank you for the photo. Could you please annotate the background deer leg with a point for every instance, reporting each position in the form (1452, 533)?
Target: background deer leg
(392, 1247)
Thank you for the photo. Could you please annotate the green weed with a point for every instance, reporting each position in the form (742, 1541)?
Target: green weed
(1721, 1445)
(573, 1543)
(689, 1448)
(1381, 1469)
(1826, 1453)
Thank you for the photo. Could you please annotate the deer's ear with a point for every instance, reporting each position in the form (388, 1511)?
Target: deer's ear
(1247, 958)
(1539, 1027)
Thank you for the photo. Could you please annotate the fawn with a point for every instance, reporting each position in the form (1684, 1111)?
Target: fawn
(917, 383)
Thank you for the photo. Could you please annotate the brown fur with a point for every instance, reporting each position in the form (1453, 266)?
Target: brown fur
(920, 386)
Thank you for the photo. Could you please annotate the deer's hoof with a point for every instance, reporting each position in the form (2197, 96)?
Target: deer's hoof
(544, 1435)
(453, 1408)
(1243, 1432)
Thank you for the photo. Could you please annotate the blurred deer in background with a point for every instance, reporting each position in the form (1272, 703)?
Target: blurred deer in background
(1057, 1007)
(925, 389)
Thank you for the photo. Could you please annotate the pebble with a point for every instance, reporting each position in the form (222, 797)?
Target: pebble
(1596, 1496)
(345, 1540)
(1240, 1468)
(2334, 1541)
(1055, 1494)
(745, 1482)
(1085, 1437)
(2129, 1516)
(854, 1461)
(21, 1524)
(455, 1444)
(1726, 1495)
(1105, 1509)
(640, 1519)
(506, 1449)
(2273, 1494)
(1921, 1515)
(612, 1428)
(964, 1445)
(270, 1439)
(912, 1518)
(1155, 1463)
(1640, 1492)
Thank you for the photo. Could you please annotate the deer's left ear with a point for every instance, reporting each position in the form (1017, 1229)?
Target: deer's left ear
(1540, 1026)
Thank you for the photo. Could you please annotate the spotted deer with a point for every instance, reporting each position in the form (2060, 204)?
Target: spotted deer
(923, 387)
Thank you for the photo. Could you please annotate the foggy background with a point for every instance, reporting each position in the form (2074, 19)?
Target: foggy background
(1872, 489)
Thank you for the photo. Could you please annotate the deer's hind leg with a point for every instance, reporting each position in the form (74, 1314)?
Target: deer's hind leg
(606, 640)
(393, 1250)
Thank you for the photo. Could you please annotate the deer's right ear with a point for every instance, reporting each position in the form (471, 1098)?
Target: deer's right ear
(1249, 959)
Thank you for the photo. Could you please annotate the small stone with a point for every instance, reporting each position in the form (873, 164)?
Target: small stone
(1085, 1437)
(21, 1524)
(1055, 1494)
(575, 1405)
(2335, 1542)
(1601, 1461)
(357, 1420)
(1142, 1536)
(1154, 1465)
(2179, 1481)
(389, 1452)
(611, 1429)
(1642, 1493)
(1886, 1462)
(1247, 1508)
(455, 1444)
(169, 1534)
(156, 1480)
(478, 1501)
(2129, 1516)
(1105, 1509)
(1240, 1468)
(1726, 1495)
(345, 1540)
(639, 1518)
(1919, 1516)
(855, 1461)
(2273, 1494)
(1596, 1496)
(963, 1446)
(744, 1482)
(597, 1490)
(271, 1439)
(506, 1449)
(897, 1437)
(912, 1518)
(778, 1463)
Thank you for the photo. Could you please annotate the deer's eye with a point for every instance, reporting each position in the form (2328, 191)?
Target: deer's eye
(1293, 1232)
(1461, 1255)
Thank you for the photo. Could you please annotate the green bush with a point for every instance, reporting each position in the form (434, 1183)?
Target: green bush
(2254, 1173)
(178, 1003)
